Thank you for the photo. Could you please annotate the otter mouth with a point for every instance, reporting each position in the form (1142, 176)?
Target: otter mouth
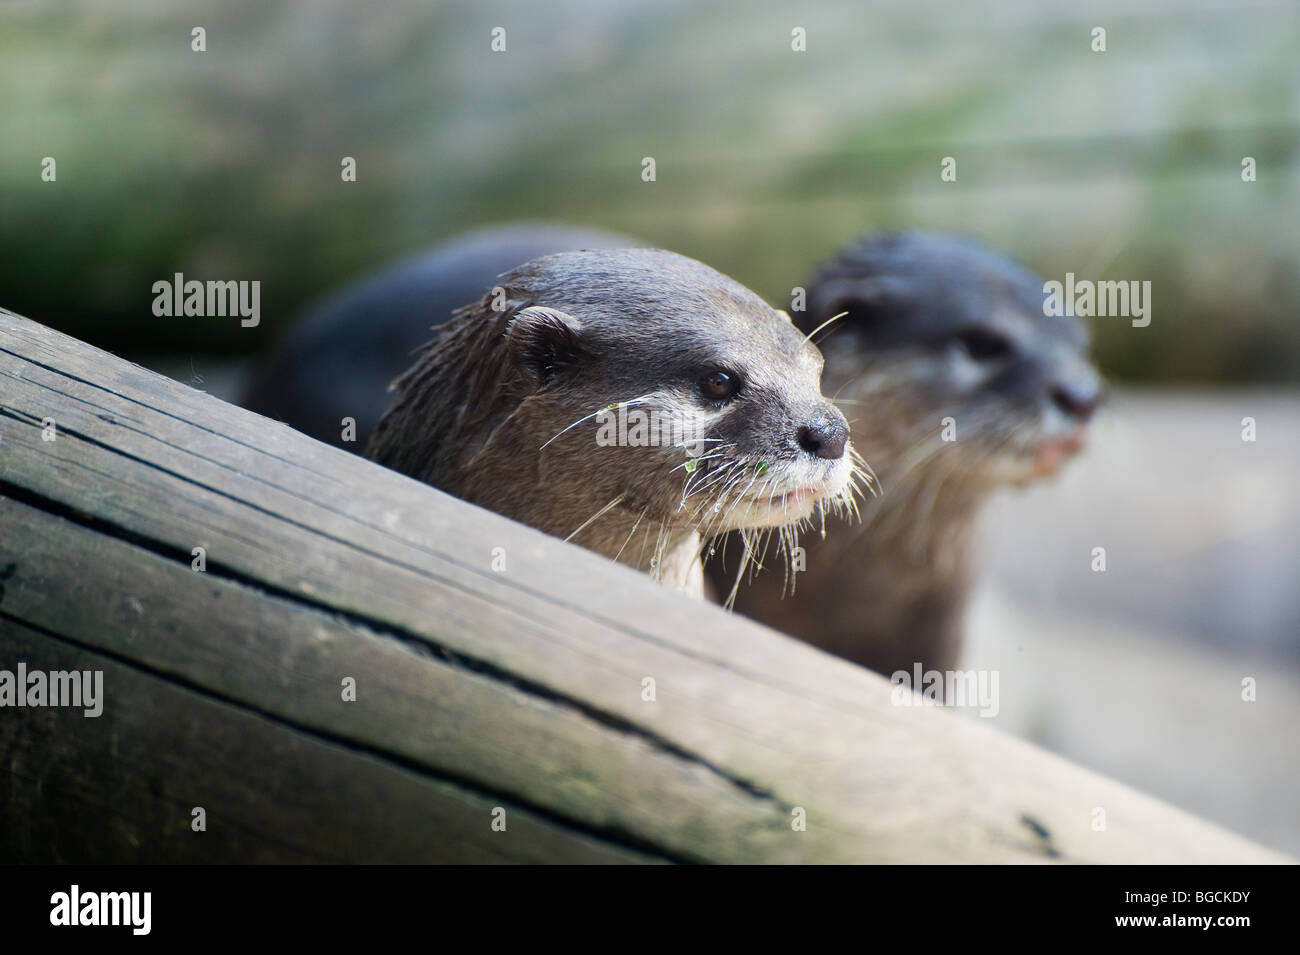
(749, 494)
(810, 492)
(792, 504)
(1045, 458)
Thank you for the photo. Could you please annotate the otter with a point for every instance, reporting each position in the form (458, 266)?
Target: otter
(512, 407)
(337, 361)
(939, 338)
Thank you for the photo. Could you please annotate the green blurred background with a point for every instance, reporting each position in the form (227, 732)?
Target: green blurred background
(225, 164)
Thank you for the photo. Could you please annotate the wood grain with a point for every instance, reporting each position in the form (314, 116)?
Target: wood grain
(476, 689)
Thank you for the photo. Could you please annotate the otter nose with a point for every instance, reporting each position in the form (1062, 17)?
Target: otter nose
(1077, 400)
(825, 436)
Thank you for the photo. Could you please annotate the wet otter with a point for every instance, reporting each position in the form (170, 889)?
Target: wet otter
(512, 405)
(943, 338)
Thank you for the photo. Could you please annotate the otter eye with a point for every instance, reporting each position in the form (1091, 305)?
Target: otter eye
(719, 385)
(983, 345)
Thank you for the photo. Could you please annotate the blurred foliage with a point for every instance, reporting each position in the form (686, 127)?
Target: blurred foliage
(225, 164)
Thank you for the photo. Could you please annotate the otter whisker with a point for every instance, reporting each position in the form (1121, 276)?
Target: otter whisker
(720, 518)
(764, 543)
(705, 482)
(713, 478)
(808, 338)
(741, 496)
(705, 457)
(630, 533)
(730, 602)
(661, 545)
(594, 517)
(720, 495)
(597, 413)
(789, 543)
(862, 467)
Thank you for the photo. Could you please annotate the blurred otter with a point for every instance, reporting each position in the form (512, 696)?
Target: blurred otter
(510, 406)
(943, 338)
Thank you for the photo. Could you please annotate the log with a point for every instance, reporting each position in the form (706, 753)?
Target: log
(482, 692)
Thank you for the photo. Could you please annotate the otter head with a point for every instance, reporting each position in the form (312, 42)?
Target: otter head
(623, 398)
(945, 360)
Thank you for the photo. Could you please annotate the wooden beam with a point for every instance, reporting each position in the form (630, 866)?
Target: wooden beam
(477, 688)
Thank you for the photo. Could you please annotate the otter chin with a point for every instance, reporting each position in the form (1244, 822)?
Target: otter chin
(633, 401)
(1050, 456)
(775, 507)
(956, 385)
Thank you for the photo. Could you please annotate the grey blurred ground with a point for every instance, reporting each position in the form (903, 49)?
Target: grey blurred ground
(1137, 671)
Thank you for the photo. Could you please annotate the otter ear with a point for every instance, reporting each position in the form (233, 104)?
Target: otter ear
(545, 342)
(865, 299)
(873, 290)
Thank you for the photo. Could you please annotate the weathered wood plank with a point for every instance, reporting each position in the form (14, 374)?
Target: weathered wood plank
(122, 787)
(425, 712)
(524, 685)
